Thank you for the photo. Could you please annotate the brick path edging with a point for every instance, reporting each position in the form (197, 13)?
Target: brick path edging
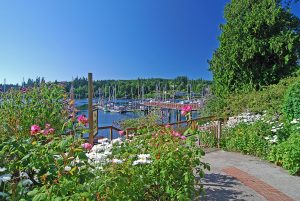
(264, 189)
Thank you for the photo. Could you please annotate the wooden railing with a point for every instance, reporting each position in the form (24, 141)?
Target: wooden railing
(216, 128)
(176, 106)
(111, 129)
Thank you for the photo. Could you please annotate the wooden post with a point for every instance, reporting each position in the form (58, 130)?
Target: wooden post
(169, 115)
(126, 132)
(90, 108)
(179, 117)
(219, 127)
(111, 134)
(176, 116)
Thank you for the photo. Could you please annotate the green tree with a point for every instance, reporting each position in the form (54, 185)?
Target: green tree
(259, 45)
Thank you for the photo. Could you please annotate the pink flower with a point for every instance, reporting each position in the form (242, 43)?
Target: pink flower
(87, 146)
(35, 129)
(47, 126)
(82, 119)
(183, 137)
(168, 126)
(186, 109)
(176, 134)
(51, 130)
(45, 132)
(121, 133)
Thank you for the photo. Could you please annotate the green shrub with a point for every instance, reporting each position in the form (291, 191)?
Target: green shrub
(59, 169)
(268, 99)
(38, 105)
(287, 154)
(248, 139)
(169, 175)
(291, 105)
(207, 138)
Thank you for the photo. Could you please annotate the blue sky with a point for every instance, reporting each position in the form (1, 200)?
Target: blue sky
(113, 39)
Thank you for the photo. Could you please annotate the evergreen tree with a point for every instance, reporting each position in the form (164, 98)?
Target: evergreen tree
(259, 45)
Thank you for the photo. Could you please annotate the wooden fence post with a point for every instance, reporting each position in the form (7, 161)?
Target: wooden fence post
(90, 108)
(111, 133)
(219, 130)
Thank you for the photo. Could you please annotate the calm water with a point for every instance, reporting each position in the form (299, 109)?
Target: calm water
(111, 118)
(107, 118)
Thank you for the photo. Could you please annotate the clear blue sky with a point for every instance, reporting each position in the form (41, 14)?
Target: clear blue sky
(113, 39)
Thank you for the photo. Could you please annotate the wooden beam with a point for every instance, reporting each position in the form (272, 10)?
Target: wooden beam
(90, 108)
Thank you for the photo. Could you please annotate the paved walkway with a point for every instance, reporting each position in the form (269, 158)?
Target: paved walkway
(234, 176)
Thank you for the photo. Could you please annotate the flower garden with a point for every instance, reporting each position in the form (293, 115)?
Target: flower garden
(43, 156)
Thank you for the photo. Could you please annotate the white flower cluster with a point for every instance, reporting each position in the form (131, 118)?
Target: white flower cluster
(272, 139)
(142, 159)
(277, 127)
(244, 117)
(7, 177)
(100, 152)
(295, 121)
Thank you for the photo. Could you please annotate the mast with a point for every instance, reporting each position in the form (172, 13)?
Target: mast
(4, 85)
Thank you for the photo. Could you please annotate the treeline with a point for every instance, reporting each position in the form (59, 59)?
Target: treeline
(148, 88)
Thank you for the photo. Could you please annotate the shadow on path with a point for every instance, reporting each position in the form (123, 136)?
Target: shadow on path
(220, 187)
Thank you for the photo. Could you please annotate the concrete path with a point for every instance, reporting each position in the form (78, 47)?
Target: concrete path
(234, 176)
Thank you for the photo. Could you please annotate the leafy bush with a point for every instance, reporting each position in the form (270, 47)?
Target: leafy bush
(43, 166)
(160, 164)
(291, 105)
(268, 99)
(37, 105)
(287, 154)
(207, 138)
(248, 139)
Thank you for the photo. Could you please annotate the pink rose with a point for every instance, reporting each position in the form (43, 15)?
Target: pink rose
(87, 146)
(47, 126)
(35, 129)
(187, 108)
(82, 119)
(183, 113)
(121, 133)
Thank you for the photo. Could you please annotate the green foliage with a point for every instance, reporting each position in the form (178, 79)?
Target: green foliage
(149, 120)
(287, 154)
(169, 175)
(258, 139)
(59, 169)
(37, 165)
(207, 138)
(38, 105)
(248, 139)
(268, 99)
(291, 105)
(259, 45)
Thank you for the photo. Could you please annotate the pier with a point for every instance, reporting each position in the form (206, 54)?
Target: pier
(172, 106)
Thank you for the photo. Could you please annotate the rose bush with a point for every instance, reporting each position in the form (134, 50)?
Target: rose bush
(37, 105)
